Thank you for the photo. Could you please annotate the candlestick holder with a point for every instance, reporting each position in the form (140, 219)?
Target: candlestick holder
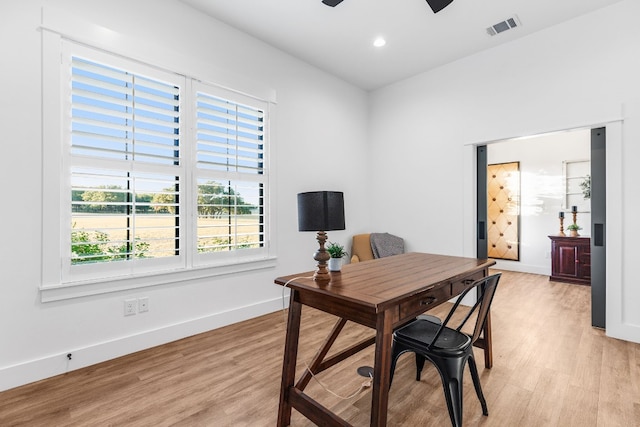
(561, 233)
(575, 214)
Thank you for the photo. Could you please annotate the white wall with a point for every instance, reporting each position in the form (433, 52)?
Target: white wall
(542, 192)
(321, 121)
(579, 74)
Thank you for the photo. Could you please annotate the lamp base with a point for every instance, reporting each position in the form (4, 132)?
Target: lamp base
(321, 256)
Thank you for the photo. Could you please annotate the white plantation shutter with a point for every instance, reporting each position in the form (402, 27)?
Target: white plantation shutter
(125, 166)
(230, 169)
(230, 216)
(121, 206)
(230, 136)
(119, 115)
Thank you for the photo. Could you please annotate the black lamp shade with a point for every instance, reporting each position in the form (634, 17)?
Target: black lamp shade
(321, 211)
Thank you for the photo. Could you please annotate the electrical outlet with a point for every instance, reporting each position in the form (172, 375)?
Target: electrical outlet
(130, 307)
(143, 304)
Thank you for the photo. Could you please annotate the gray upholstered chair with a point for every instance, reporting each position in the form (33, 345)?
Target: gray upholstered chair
(365, 247)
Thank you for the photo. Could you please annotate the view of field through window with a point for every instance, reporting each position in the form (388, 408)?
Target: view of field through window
(103, 222)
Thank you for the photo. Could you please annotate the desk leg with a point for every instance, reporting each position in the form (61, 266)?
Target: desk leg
(290, 357)
(382, 370)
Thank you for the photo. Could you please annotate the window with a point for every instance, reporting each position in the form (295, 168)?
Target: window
(577, 184)
(229, 174)
(125, 168)
(159, 172)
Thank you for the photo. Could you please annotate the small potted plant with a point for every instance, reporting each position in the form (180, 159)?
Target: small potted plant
(337, 252)
(573, 228)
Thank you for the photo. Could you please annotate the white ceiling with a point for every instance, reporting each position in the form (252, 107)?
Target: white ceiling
(340, 39)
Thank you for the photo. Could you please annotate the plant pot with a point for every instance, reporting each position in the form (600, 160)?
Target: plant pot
(335, 264)
(574, 233)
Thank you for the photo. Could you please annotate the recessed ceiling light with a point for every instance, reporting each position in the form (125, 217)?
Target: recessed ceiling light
(379, 42)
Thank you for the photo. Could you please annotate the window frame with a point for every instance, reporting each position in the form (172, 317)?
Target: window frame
(571, 180)
(57, 283)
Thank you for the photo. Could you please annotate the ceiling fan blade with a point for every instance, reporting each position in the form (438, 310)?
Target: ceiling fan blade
(438, 5)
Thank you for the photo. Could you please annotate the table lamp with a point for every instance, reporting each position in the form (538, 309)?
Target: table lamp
(321, 211)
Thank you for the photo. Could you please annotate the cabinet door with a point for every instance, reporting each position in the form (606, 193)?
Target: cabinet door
(584, 258)
(567, 261)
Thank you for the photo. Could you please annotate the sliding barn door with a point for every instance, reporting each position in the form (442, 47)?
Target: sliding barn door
(598, 227)
(481, 201)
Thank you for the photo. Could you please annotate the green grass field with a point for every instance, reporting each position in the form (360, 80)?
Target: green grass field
(159, 231)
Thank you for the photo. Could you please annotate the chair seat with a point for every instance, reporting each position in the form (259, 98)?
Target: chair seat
(419, 334)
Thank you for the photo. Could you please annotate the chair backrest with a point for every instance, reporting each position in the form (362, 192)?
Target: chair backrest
(368, 246)
(486, 288)
(361, 248)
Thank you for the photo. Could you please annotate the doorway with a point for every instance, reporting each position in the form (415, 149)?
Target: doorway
(542, 212)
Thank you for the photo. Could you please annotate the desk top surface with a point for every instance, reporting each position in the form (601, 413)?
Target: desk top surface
(384, 281)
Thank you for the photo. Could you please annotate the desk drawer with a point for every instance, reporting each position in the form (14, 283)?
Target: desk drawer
(459, 286)
(424, 301)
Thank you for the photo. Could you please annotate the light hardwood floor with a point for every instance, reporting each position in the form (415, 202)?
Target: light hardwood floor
(551, 368)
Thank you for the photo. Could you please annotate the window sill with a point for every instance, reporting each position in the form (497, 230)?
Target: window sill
(66, 291)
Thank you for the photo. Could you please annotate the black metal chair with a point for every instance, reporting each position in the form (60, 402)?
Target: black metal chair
(448, 349)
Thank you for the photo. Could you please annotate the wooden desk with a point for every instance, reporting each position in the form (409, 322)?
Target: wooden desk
(381, 294)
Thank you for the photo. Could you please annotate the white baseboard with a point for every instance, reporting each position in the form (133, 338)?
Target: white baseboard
(56, 364)
(522, 268)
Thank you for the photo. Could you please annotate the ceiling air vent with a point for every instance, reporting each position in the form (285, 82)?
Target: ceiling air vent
(503, 26)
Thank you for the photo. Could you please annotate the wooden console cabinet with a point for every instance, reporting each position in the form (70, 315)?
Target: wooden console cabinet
(571, 259)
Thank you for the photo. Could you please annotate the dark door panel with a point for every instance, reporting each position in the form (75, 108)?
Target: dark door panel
(481, 214)
(598, 227)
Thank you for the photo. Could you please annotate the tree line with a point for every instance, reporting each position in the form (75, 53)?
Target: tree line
(214, 200)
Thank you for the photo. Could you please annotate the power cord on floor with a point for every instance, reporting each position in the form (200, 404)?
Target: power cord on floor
(366, 384)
